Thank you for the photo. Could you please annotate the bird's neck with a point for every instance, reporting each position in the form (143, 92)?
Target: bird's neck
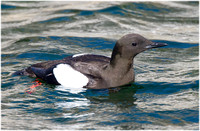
(121, 71)
(121, 64)
(120, 61)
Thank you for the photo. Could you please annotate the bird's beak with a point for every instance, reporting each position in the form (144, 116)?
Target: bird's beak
(155, 45)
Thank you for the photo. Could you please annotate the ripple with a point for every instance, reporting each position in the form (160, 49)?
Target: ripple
(164, 96)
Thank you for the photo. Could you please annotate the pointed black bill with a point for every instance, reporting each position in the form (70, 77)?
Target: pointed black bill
(155, 45)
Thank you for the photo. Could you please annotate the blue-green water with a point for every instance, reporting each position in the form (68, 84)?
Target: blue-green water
(164, 96)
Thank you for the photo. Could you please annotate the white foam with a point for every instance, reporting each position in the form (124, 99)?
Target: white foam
(70, 89)
(69, 77)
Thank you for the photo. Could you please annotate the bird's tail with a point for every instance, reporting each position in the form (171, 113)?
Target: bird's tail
(19, 73)
(24, 72)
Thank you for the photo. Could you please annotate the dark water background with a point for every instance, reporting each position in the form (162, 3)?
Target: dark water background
(164, 96)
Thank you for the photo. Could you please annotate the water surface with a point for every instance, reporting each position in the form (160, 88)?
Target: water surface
(164, 96)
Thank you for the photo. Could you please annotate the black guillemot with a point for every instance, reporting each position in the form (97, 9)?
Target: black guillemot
(94, 71)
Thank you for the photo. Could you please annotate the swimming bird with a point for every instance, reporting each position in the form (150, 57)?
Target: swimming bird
(94, 71)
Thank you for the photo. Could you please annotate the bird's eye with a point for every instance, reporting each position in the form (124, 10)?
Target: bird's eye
(134, 44)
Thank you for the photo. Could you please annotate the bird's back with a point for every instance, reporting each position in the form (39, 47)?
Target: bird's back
(89, 65)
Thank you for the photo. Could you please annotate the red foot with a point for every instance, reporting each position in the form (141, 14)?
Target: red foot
(32, 89)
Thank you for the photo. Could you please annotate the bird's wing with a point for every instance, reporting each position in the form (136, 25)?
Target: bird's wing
(89, 65)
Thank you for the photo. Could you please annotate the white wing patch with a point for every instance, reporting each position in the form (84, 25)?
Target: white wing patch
(68, 77)
(79, 55)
